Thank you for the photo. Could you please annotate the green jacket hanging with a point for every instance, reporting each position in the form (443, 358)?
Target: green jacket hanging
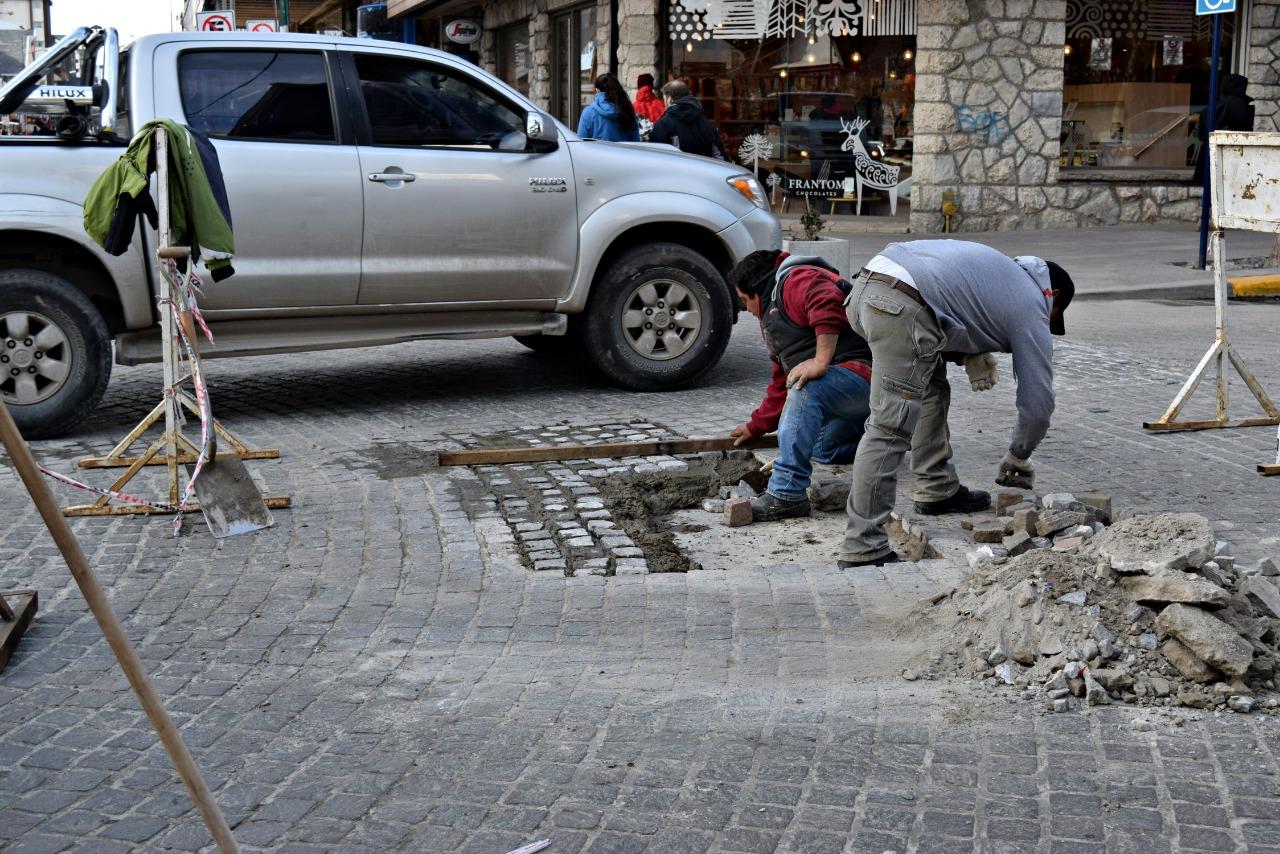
(199, 212)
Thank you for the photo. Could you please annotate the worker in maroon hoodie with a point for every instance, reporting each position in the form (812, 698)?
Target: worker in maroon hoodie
(819, 396)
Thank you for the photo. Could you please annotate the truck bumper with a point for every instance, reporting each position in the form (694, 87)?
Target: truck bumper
(757, 230)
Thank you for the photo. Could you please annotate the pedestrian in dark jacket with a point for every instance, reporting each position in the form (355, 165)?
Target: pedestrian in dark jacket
(1235, 112)
(647, 103)
(684, 126)
(610, 116)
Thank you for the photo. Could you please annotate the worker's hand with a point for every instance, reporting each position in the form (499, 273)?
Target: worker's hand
(741, 434)
(1016, 473)
(809, 369)
(981, 368)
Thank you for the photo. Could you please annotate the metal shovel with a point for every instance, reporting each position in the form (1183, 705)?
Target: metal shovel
(229, 499)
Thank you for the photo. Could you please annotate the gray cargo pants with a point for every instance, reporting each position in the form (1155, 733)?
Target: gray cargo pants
(909, 401)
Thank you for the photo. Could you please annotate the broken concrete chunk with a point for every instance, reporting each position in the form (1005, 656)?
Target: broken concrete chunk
(1068, 544)
(1060, 501)
(1099, 503)
(1100, 632)
(1025, 521)
(1091, 650)
(1221, 547)
(1263, 593)
(1053, 521)
(1094, 693)
(1175, 586)
(713, 505)
(1075, 597)
(1268, 567)
(1017, 543)
(737, 512)
(1241, 704)
(1005, 673)
(988, 532)
(1155, 542)
(830, 495)
(997, 656)
(1062, 705)
(1050, 645)
(1212, 573)
(1041, 543)
(1006, 498)
(1212, 640)
(745, 490)
(1148, 641)
(1072, 670)
(1113, 679)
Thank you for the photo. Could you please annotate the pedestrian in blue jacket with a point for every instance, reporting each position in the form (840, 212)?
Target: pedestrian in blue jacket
(610, 116)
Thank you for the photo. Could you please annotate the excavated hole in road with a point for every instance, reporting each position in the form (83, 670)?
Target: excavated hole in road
(642, 504)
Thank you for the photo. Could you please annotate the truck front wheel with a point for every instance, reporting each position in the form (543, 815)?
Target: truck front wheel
(658, 318)
(55, 352)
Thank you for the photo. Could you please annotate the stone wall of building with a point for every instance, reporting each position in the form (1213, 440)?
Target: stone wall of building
(988, 110)
(637, 39)
(1264, 63)
(988, 120)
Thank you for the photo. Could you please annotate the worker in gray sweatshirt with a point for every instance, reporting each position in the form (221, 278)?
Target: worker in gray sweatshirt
(920, 303)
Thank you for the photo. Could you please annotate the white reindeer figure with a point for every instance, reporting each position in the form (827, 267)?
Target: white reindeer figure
(872, 173)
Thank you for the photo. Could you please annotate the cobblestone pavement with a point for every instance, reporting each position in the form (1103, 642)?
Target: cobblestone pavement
(359, 678)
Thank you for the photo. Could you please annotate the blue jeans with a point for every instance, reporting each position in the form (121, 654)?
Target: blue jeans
(822, 422)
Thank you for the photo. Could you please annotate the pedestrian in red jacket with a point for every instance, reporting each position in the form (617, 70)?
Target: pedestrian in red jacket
(648, 105)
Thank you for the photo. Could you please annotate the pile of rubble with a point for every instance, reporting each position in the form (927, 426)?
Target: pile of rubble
(1073, 609)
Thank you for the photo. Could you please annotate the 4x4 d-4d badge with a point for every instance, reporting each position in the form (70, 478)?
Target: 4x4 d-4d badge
(549, 185)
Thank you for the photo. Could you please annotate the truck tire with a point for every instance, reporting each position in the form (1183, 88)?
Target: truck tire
(658, 318)
(55, 352)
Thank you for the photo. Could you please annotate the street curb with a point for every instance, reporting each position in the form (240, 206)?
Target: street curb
(1196, 292)
(1255, 286)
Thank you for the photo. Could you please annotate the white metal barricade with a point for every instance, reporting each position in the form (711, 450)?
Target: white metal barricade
(1244, 184)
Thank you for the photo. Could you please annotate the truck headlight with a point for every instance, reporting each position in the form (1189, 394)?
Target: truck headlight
(749, 187)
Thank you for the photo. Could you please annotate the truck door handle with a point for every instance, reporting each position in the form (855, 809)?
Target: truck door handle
(392, 177)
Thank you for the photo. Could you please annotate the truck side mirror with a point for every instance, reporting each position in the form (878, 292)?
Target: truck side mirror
(540, 130)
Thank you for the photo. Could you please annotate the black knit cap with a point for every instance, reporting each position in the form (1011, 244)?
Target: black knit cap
(1060, 282)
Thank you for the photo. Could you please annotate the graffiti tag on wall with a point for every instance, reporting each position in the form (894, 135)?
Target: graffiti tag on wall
(994, 125)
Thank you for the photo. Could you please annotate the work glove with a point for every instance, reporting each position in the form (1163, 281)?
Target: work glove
(981, 368)
(1015, 472)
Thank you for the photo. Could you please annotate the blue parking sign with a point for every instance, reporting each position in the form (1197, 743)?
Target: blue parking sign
(1214, 7)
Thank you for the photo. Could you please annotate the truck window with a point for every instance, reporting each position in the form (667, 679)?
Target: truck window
(257, 94)
(411, 103)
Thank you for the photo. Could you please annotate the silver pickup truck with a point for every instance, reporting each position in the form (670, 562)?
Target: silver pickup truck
(379, 193)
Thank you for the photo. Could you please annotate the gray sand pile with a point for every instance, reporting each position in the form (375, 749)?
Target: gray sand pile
(1149, 611)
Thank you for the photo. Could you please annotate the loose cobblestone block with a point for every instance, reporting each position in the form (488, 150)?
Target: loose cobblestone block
(1006, 498)
(1099, 503)
(989, 532)
(737, 511)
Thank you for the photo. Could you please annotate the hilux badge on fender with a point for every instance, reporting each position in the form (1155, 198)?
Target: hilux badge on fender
(549, 185)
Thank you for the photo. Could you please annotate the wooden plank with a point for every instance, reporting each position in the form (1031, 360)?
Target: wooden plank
(1175, 426)
(275, 502)
(183, 459)
(1268, 470)
(24, 604)
(604, 450)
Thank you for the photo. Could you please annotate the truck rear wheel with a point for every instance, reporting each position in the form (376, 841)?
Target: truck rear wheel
(659, 317)
(55, 352)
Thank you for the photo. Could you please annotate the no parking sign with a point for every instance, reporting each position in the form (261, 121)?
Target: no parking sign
(260, 26)
(215, 22)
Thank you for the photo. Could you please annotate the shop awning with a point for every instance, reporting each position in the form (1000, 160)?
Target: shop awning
(400, 8)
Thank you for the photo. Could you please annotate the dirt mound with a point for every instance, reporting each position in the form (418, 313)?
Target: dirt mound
(1141, 613)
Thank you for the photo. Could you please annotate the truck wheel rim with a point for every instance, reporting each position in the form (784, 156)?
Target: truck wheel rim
(35, 357)
(661, 319)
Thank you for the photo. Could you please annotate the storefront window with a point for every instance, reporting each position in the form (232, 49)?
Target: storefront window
(575, 62)
(817, 115)
(513, 56)
(1136, 80)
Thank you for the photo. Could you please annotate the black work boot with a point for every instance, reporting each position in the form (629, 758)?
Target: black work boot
(891, 557)
(965, 500)
(769, 508)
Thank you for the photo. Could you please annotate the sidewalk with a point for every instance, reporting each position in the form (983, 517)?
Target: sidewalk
(1115, 262)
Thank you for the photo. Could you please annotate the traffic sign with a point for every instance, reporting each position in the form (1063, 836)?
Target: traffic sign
(260, 26)
(1214, 7)
(215, 22)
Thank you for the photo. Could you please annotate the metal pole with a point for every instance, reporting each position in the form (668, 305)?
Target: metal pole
(1204, 150)
(114, 633)
(169, 347)
(284, 15)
